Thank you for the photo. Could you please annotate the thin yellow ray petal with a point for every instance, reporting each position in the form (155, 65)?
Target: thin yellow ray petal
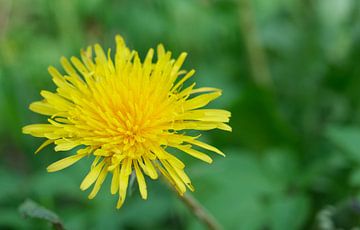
(186, 77)
(101, 152)
(176, 66)
(96, 161)
(82, 69)
(43, 108)
(67, 67)
(57, 101)
(199, 125)
(150, 168)
(224, 127)
(201, 100)
(201, 144)
(143, 166)
(100, 54)
(160, 51)
(65, 145)
(147, 66)
(179, 62)
(86, 57)
(65, 89)
(120, 202)
(115, 181)
(98, 183)
(43, 145)
(64, 163)
(116, 161)
(39, 130)
(55, 73)
(204, 90)
(91, 176)
(168, 178)
(185, 93)
(210, 115)
(194, 153)
(141, 180)
(175, 161)
(182, 175)
(123, 181)
(163, 154)
(177, 180)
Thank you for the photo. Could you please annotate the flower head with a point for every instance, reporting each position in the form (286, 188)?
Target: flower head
(127, 114)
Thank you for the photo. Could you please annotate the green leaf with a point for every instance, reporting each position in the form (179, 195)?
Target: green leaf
(10, 219)
(355, 178)
(31, 209)
(347, 139)
(289, 211)
(251, 186)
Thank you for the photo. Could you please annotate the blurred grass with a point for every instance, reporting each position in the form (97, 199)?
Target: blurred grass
(294, 150)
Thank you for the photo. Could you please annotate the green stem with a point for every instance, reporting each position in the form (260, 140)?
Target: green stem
(200, 212)
(257, 56)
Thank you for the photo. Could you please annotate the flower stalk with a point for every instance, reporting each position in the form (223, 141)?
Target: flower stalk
(200, 212)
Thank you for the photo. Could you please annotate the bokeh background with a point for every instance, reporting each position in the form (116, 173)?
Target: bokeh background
(290, 74)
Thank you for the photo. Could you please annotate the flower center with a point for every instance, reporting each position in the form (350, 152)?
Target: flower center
(132, 137)
(133, 140)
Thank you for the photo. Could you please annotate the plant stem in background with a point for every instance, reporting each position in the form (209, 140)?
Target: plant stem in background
(200, 212)
(31, 209)
(5, 12)
(257, 57)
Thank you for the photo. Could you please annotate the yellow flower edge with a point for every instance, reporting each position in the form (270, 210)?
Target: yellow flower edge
(129, 115)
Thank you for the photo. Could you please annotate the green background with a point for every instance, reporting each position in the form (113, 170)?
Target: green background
(290, 74)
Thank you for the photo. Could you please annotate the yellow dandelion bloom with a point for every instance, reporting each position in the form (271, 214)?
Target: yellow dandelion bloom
(128, 115)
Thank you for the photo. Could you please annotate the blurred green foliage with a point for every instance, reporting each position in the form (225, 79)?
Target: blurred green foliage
(294, 154)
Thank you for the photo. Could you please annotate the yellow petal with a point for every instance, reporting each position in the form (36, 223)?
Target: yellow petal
(160, 51)
(58, 102)
(175, 161)
(64, 163)
(86, 57)
(73, 77)
(182, 175)
(123, 182)
(186, 77)
(203, 145)
(100, 54)
(168, 178)
(115, 181)
(200, 125)
(201, 100)
(65, 145)
(67, 67)
(141, 180)
(43, 145)
(39, 130)
(224, 127)
(204, 90)
(150, 169)
(178, 63)
(194, 153)
(98, 183)
(211, 115)
(178, 182)
(91, 176)
(43, 108)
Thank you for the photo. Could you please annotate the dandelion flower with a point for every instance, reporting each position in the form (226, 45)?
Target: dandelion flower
(130, 116)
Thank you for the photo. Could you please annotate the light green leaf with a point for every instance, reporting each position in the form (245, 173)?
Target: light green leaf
(347, 139)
